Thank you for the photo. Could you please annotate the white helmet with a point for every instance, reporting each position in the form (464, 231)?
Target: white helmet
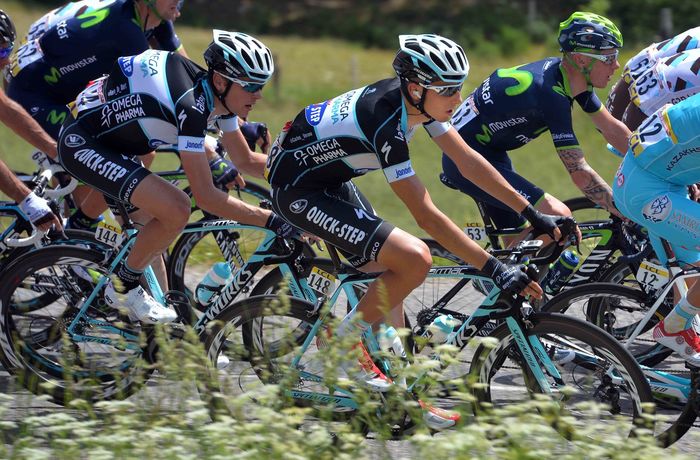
(238, 55)
(430, 58)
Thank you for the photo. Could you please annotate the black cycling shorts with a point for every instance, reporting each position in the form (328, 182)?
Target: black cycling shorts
(341, 216)
(112, 173)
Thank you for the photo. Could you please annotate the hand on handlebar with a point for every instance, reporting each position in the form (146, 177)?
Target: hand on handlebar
(559, 228)
(512, 278)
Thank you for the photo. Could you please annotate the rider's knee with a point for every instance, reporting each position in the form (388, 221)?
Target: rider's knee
(177, 211)
(417, 262)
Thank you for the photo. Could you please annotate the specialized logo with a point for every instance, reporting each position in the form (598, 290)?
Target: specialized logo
(298, 206)
(314, 113)
(332, 225)
(386, 150)
(181, 117)
(99, 164)
(127, 65)
(658, 210)
(155, 143)
(74, 140)
(362, 214)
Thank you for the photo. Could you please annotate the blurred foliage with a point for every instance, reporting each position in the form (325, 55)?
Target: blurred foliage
(503, 26)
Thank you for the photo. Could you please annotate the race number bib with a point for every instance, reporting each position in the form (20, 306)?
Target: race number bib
(24, 55)
(321, 281)
(646, 90)
(652, 276)
(475, 232)
(109, 234)
(649, 133)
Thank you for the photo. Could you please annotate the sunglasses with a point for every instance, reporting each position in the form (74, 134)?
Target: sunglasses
(6, 51)
(248, 86)
(445, 91)
(608, 59)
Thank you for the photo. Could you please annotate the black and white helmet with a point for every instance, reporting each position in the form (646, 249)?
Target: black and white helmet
(240, 56)
(430, 58)
(7, 29)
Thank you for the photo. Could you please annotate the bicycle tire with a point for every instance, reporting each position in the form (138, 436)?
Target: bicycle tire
(38, 358)
(488, 361)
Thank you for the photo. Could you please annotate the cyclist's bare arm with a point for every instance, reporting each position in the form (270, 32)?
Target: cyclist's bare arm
(586, 179)
(13, 115)
(213, 200)
(247, 161)
(613, 130)
(479, 171)
(11, 185)
(417, 199)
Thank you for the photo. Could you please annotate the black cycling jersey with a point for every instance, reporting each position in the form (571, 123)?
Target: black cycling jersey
(345, 137)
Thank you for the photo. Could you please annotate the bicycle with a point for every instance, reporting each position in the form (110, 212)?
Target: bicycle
(629, 315)
(264, 343)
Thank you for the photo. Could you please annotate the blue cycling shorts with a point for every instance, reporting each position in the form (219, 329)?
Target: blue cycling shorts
(660, 206)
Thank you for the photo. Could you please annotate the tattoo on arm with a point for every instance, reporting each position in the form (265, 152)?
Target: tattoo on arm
(587, 180)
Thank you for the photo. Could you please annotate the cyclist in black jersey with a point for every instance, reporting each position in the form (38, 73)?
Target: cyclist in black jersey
(14, 116)
(514, 106)
(312, 162)
(158, 98)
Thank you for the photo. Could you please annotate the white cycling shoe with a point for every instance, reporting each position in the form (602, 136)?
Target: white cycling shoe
(141, 306)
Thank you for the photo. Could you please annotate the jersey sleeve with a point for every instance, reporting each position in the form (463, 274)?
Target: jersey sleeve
(164, 34)
(392, 150)
(228, 123)
(557, 116)
(436, 128)
(191, 124)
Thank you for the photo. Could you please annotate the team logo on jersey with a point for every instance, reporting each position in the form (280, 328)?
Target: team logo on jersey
(298, 206)
(314, 113)
(658, 209)
(73, 140)
(127, 65)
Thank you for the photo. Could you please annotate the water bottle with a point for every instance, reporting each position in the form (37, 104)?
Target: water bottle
(217, 276)
(388, 340)
(559, 272)
(441, 328)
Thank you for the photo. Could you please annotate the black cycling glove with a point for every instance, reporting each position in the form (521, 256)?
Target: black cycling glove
(509, 278)
(223, 171)
(282, 228)
(545, 223)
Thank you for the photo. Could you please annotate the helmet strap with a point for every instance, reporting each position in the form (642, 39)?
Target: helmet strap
(585, 71)
(420, 105)
(221, 96)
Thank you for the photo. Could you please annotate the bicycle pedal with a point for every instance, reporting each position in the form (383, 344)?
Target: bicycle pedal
(176, 300)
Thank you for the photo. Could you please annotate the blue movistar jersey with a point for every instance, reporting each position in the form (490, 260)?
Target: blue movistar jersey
(74, 45)
(514, 106)
(329, 143)
(667, 144)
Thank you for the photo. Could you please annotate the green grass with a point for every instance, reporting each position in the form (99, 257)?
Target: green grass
(311, 71)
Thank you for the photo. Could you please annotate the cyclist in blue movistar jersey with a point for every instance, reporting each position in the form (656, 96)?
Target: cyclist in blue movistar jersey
(650, 188)
(619, 97)
(69, 47)
(158, 98)
(514, 106)
(312, 162)
(14, 116)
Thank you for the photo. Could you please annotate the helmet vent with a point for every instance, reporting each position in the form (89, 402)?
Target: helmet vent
(436, 59)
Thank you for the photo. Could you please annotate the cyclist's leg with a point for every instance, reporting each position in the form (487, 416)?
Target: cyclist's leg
(666, 211)
(503, 216)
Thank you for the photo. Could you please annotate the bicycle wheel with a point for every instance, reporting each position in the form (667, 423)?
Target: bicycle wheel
(258, 337)
(592, 368)
(584, 210)
(36, 346)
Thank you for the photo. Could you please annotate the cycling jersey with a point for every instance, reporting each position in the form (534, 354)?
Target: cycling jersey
(646, 58)
(148, 100)
(651, 185)
(81, 44)
(669, 81)
(509, 109)
(312, 161)
(331, 142)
